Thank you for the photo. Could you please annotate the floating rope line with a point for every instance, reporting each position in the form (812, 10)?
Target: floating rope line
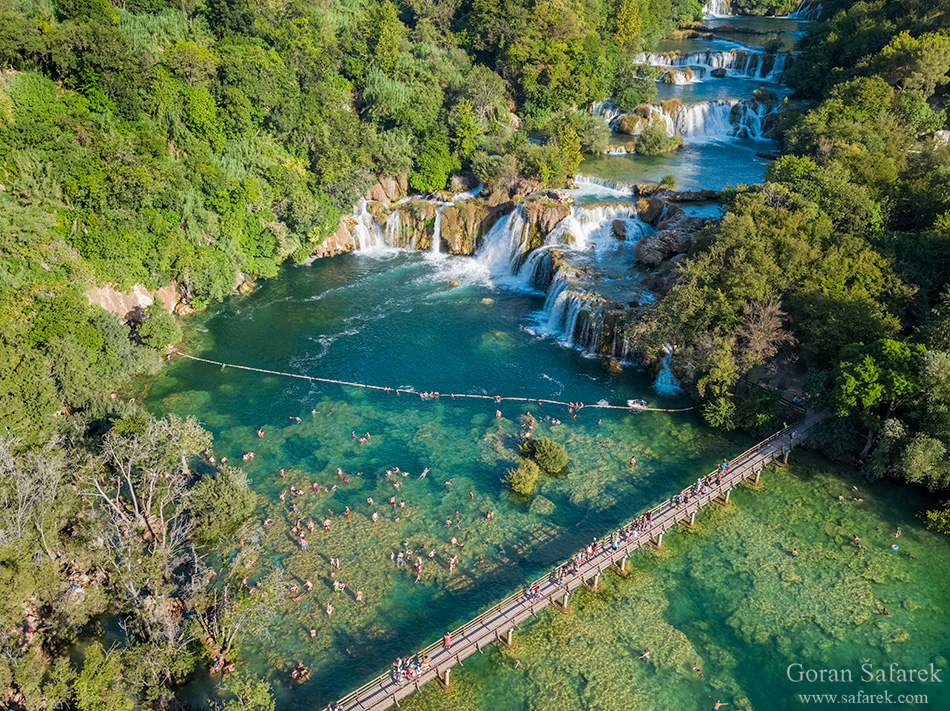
(431, 395)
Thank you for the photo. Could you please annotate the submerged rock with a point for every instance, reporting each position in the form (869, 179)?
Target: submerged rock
(612, 365)
(541, 506)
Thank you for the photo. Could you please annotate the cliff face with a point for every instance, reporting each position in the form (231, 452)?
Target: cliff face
(337, 243)
(126, 304)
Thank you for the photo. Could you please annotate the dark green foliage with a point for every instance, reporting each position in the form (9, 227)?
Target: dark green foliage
(160, 328)
(939, 519)
(523, 480)
(653, 141)
(549, 455)
(220, 503)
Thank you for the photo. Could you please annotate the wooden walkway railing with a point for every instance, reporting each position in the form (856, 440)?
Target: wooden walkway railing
(498, 622)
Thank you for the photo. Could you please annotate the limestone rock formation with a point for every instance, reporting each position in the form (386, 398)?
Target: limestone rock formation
(125, 303)
(339, 242)
(675, 235)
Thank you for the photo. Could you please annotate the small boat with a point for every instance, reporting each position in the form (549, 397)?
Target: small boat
(637, 404)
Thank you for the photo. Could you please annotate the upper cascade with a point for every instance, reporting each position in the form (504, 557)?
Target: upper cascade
(717, 8)
(807, 10)
(697, 66)
(702, 121)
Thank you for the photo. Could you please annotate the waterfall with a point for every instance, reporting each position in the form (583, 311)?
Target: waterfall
(587, 225)
(606, 109)
(393, 225)
(712, 120)
(437, 229)
(806, 10)
(737, 63)
(369, 236)
(468, 194)
(601, 185)
(501, 245)
(717, 8)
(666, 383)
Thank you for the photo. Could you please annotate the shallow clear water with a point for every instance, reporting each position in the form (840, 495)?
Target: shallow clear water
(712, 165)
(397, 321)
(712, 89)
(730, 598)
(757, 31)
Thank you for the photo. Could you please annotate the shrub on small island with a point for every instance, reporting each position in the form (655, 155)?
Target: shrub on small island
(654, 141)
(523, 480)
(546, 453)
(669, 181)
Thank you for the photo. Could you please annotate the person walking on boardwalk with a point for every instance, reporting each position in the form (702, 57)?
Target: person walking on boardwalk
(447, 640)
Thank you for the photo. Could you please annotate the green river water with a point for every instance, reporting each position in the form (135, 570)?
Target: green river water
(728, 595)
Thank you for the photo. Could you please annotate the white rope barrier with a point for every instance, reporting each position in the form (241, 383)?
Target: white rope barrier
(432, 395)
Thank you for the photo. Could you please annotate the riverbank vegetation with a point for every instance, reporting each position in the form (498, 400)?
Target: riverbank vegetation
(200, 142)
(836, 264)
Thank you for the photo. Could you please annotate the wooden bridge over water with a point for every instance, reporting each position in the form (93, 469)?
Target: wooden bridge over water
(499, 622)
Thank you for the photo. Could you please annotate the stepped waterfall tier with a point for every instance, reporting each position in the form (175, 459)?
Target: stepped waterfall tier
(590, 262)
(683, 68)
(703, 121)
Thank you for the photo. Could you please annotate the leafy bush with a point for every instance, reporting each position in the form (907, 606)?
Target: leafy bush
(159, 329)
(524, 479)
(653, 141)
(220, 504)
(669, 181)
(546, 453)
(640, 91)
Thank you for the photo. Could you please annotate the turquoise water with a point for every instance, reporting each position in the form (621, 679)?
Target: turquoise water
(730, 599)
(397, 321)
(710, 166)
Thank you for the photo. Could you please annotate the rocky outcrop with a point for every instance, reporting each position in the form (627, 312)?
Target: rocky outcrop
(675, 235)
(542, 216)
(665, 276)
(388, 189)
(339, 242)
(693, 196)
(619, 230)
(129, 304)
(650, 209)
(465, 222)
(417, 223)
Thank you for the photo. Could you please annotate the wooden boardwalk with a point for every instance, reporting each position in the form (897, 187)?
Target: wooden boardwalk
(499, 622)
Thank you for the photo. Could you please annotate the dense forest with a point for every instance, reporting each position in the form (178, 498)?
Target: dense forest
(206, 142)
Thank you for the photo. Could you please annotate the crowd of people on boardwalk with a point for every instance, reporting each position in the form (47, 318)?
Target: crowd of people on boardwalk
(410, 668)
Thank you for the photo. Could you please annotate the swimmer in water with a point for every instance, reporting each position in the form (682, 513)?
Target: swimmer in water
(424, 472)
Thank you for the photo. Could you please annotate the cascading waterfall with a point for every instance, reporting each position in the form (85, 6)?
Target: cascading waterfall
(606, 109)
(806, 10)
(602, 184)
(502, 244)
(588, 226)
(666, 383)
(369, 236)
(717, 8)
(712, 120)
(437, 229)
(393, 225)
(698, 66)
(571, 312)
